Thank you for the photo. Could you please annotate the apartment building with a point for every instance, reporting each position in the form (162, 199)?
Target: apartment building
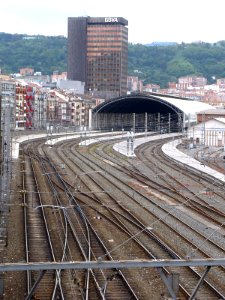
(26, 71)
(191, 81)
(7, 98)
(40, 109)
(20, 106)
(134, 84)
(56, 76)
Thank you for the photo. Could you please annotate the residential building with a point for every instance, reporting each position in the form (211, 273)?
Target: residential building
(172, 85)
(134, 84)
(191, 81)
(66, 108)
(98, 54)
(7, 98)
(20, 106)
(7, 123)
(211, 97)
(40, 79)
(151, 88)
(56, 76)
(26, 72)
(29, 107)
(221, 82)
(40, 109)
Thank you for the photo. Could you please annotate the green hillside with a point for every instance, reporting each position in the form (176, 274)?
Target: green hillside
(162, 64)
(42, 53)
(153, 64)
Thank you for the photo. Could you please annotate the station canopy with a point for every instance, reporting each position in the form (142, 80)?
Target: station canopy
(153, 103)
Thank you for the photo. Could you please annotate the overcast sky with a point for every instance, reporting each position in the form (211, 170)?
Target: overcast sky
(148, 20)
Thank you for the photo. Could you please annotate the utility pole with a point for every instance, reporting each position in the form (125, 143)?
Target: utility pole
(203, 137)
(134, 122)
(180, 123)
(158, 123)
(146, 123)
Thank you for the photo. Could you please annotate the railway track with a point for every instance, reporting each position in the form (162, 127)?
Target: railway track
(117, 210)
(90, 245)
(213, 159)
(39, 242)
(76, 154)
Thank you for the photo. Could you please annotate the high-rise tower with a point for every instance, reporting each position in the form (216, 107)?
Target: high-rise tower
(97, 54)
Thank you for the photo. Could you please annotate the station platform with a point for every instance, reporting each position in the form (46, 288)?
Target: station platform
(52, 139)
(170, 149)
(16, 141)
(125, 147)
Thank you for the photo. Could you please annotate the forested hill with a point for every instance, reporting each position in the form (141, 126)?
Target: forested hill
(153, 64)
(163, 64)
(42, 53)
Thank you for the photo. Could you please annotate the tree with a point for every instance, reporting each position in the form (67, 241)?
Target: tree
(180, 67)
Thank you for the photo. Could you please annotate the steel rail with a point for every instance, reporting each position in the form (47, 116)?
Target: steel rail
(77, 206)
(72, 198)
(87, 256)
(25, 223)
(213, 288)
(46, 227)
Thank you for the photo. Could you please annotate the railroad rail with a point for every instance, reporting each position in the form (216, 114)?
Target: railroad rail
(89, 203)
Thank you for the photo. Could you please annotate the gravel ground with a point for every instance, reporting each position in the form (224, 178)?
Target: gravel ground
(14, 287)
(193, 151)
(14, 251)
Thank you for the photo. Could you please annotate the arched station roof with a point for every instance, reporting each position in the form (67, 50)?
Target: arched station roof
(152, 103)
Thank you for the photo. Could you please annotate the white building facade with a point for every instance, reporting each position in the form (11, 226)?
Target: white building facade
(209, 133)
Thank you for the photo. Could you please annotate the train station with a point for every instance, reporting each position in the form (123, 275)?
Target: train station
(147, 112)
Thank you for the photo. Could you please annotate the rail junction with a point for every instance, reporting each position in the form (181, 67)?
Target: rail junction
(99, 216)
(92, 203)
